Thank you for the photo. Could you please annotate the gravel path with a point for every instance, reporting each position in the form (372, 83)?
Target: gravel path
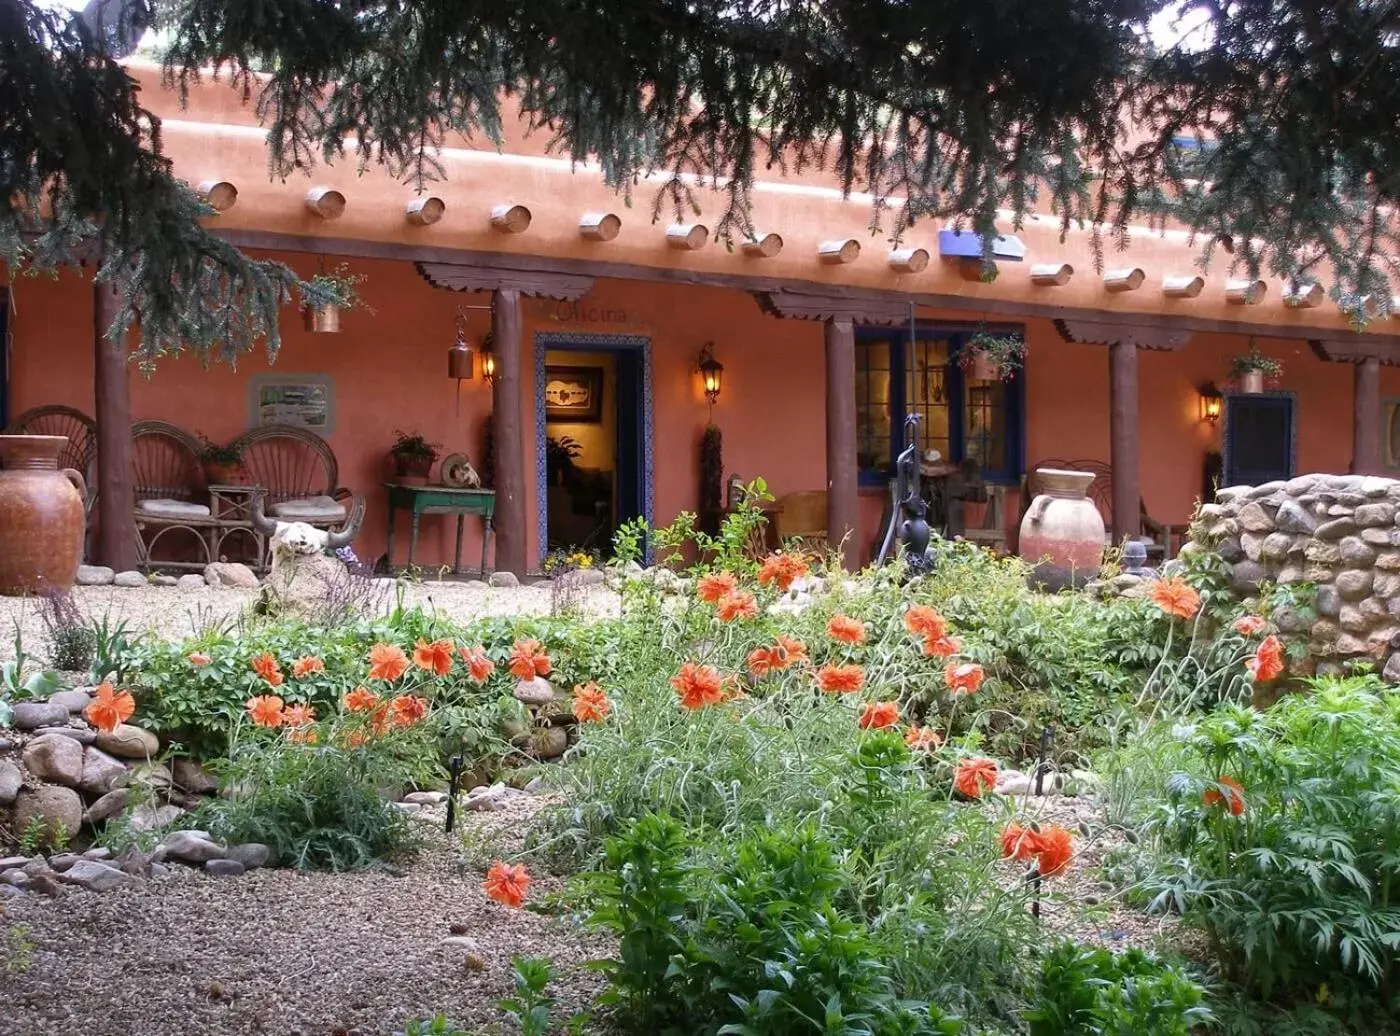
(175, 613)
(284, 953)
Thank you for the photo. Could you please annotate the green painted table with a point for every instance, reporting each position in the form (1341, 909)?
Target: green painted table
(421, 500)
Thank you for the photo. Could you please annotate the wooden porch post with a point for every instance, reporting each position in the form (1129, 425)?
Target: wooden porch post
(116, 499)
(1366, 432)
(509, 460)
(842, 489)
(1123, 439)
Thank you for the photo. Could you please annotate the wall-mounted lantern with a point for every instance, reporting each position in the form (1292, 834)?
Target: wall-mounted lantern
(1212, 404)
(488, 359)
(711, 373)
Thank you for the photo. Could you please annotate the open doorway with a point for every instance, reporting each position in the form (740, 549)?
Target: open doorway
(593, 465)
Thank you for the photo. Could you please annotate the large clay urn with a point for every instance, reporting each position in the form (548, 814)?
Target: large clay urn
(41, 515)
(1062, 534)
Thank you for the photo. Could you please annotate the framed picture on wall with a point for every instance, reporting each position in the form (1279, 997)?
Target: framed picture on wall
(300, 400)
(573, 394)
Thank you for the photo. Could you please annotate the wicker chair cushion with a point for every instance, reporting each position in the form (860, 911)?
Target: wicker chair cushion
(311, 508)
(173, 509)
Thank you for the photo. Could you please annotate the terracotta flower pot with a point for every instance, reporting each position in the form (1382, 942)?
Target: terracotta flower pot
(411, 470)
(1063, 533)
(42, 515)
(1252, 382)
(219, 473)
(322, 319)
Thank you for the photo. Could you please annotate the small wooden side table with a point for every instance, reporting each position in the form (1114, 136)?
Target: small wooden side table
(421, 500)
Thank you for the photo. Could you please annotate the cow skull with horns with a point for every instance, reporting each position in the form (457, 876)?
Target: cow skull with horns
(297, 538)
(303, 576)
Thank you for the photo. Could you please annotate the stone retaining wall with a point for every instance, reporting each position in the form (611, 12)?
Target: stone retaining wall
(1338, 532)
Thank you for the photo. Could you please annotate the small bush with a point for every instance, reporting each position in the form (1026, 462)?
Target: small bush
(72, 642)
(1089, 991)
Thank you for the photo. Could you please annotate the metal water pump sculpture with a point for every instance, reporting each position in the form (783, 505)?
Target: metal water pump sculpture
(910, 517)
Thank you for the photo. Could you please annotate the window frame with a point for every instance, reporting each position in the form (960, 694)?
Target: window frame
(955, 382)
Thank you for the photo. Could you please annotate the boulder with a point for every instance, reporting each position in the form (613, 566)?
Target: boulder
(130, 579)
(1245, 576)
(426, 798)
(55, 759)
(11, 780)
(95, 575)
(107, 806)
(191, 581)
(14, 877)
(60, 862)
(192, 777)
(251, 855)
(1356, 552)
(224, 868)
(1294, 518)
(128, 742)
(31, 715)
(59, 809)
(12, 862)
(150, 817)
(192, 847)
(230, 575)
(1253, 545)
(536, 691)
(75, 700)
(503, 580)
(303, 583)
(152, 775)
(94, 876)
(1277, 546)
(1253, 518)
(1230, 549)
(101, 772)
(1392, 668)
(1355, 584)
(549, 743)
(100, 853)
(83, 735)
(1335, 529)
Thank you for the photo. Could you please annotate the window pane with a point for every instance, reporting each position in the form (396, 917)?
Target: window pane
(873, 404)
(926, 390)
(984, 423)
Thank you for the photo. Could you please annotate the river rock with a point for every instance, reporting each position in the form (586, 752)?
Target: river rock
(1356, 552)
(59, 809)
(1293, 517)
(107, 806)
(1253, 545)
(75, 700)
(1277, 545)
(1230, 549)
(1354, 584)
(1253, 518)
(150, 817)
(1392, 668)
(230, 575)
(251, 855)
(549, 743)
(30, 715)
(1369, 515)
(131, 580)
(503, 580)
(128, 742)
(191, 581)
(536, 691)
(56, 759)
(95, 575)
(426, 798)
(94, 876)
(1290, 620)
(1245, 576)
(192, 847)
(11, 780)
(101, 772)
(83, 735)
(192, 777)
(224, 868)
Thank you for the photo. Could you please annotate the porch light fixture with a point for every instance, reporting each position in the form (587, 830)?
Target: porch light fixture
(1212, 404)
(711, 372)
(488, 360)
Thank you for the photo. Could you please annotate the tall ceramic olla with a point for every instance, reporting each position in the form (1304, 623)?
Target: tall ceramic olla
(42, 517)
(1062, 534)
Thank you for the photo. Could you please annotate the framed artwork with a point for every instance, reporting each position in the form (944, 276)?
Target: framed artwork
(573, 394)
(300, 400)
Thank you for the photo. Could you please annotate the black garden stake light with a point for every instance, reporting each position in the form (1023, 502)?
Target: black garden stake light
(454, 770)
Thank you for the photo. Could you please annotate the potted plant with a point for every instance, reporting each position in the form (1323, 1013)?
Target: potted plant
(988, 357)
(559, 454)
(413, 458)
(1249, 370)
(223, 465)
(330, 293)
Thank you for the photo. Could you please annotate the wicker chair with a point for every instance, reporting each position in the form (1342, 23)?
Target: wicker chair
(168, 484)
(298, 470)
(80, 454)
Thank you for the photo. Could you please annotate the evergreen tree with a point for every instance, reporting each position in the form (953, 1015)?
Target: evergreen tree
(1274, 131)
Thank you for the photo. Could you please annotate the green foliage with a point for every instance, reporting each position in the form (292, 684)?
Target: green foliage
(530, 1007)
(111, 642)
(15, 686)
(1297, 888)
(41, 839)
(71, 640)
(436, 1026)
(1090, 991)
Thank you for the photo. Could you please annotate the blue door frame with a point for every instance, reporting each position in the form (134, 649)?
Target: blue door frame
(634, 473)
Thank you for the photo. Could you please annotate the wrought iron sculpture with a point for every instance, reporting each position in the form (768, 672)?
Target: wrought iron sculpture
(910, 517)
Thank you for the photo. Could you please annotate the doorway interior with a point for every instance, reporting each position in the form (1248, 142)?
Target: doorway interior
(593, 461)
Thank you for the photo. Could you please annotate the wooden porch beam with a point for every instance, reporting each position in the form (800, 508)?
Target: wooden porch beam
(1366, 430)
(1123, 439)
(1353, 350)
(539, 283)
(842, 471)
(799, 305)
(1114, 332)
(507, 441)
(116, 497)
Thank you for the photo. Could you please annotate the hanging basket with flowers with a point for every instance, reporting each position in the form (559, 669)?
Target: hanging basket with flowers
(326, 294)
(988, 357)
(1249, 371)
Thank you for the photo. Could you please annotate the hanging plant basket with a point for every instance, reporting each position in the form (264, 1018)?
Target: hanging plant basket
(322, 319)
(989, 357)
(982, 367)
(1249, 371)
(1252, 382)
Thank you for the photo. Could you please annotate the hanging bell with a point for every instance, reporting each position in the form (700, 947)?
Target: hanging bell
(459, 361)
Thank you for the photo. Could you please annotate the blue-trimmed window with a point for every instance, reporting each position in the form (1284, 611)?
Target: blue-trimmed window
(963, 418)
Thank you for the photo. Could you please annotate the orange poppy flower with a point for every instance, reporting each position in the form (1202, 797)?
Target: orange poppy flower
(110, 708)
(360, 700)
(505, 884)
(306, 666)
(1019, 842)
(265, 710)
(840, 679)
(198, 659)
(1054, 849)
(435, 657)
(715, 585)
(408, 709)
(1232, 797)
(974, 776)
(1176, 597)
(479, 667)
(846, 629)
(591, 705)
(381, 718)
(1250, 625)
(922, 739)
(698, 685)
(298, 715)
(963, 679)
(942, 647)
(355, 738)
(738, 604)
(794, 650)
(306, 735)
(876, 715)
(387, 662)
(528, 660)
(781, 570)
(1267, 663)
(761, 662)
(925, 622)
(266, 666)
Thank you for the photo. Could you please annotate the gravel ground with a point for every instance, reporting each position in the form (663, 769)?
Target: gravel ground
(175, 613)
(284, 953)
